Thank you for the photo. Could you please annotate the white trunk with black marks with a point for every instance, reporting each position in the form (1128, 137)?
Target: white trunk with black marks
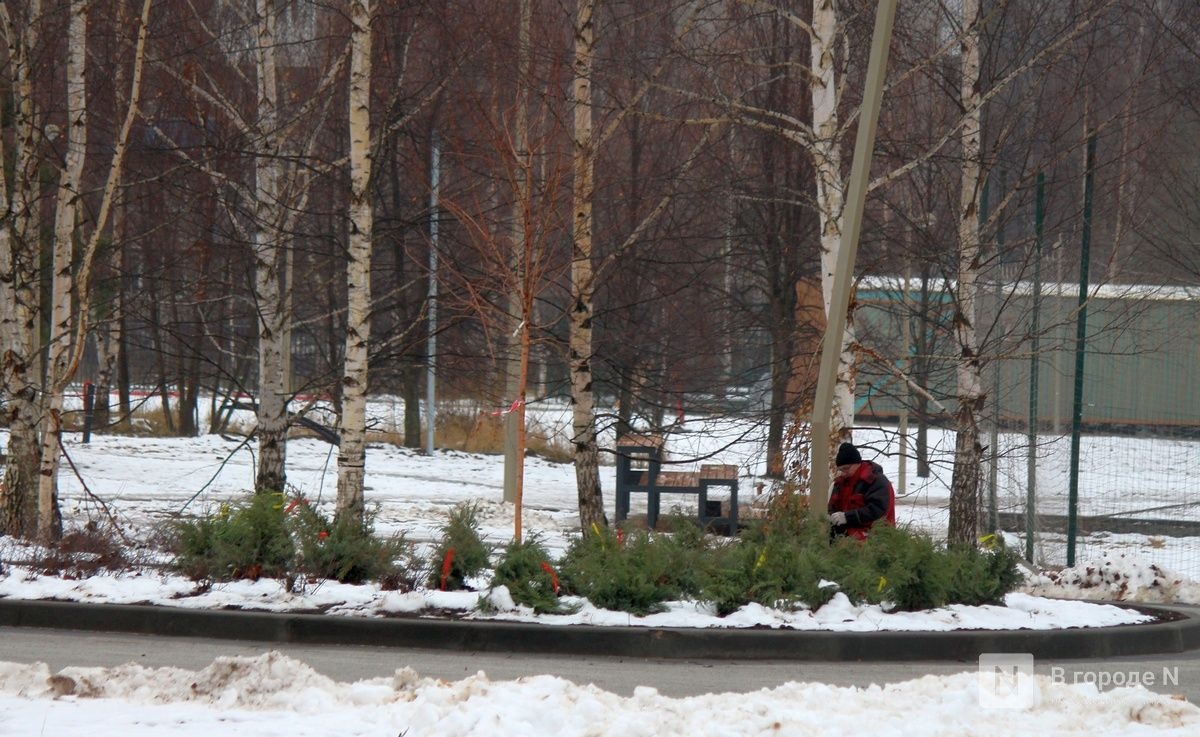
(268, 262)
(968, 453)
(583, 408)
(827, 161)
(20, 264)
(63, 279)
(352, 450)
(109, 332)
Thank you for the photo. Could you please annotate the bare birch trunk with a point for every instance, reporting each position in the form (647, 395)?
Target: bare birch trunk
(352, 451)
(968, 453)
(268, 251)
(71, 284)
(827, 160)
(583, 409)
(109, 343)
(20, 263)
(63, 280)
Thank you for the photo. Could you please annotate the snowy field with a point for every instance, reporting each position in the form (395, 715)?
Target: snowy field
(273, 695)
(148, 480)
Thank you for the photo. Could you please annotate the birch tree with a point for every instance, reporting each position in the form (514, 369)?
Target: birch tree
(968, 453)
(352, 450)
(63, 280)
(827, 161)
(19, 280)
(579, 349)
(269, 257)
(71, 282)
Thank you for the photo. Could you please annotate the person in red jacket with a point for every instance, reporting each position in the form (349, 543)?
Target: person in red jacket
(861, 495)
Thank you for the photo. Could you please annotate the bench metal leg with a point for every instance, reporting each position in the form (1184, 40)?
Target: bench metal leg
(733, 509)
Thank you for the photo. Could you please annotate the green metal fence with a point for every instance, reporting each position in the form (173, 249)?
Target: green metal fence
(1140, 409)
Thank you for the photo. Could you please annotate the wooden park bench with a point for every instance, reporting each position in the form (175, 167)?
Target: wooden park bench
(639, 471)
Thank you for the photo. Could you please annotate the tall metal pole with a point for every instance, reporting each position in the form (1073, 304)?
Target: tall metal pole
(994, 436)
(435, 163)
(856, 197)
(1080, 346)
(906, 351)
(1039, 224)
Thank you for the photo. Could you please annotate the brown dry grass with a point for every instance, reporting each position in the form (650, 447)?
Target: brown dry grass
(469, 431)
(484, 433)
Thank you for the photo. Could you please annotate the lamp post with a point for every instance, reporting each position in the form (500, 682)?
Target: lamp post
(856, 196)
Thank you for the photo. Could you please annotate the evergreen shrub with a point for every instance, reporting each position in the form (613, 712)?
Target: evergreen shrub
(635, 570)
(346, 550)
(790, 564)
(246, 540)
(461, 535)
(527, 569)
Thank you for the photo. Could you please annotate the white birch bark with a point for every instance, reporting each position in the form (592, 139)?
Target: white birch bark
(268, 251)
(352, 450)
(968, 453)
(827, 161)
(21, 315)
(583, 409)
(63, 278)
(108, 343)
(71, 285)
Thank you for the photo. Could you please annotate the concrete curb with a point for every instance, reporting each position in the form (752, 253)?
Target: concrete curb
(641, 642)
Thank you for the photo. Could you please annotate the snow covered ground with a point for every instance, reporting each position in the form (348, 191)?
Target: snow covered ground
(150, 479)
(146, 481)
(275, 695)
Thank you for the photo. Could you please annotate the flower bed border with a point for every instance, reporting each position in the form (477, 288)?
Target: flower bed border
(1178, 631)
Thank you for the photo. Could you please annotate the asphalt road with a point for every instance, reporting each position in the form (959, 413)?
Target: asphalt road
(1173, 674)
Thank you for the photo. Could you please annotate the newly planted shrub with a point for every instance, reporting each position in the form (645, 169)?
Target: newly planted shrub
(632, 572)
(460, 553)
(243, 541)
(791, 562)
(984, 576)
(346, 550)
(781, 565)
(905, 569)
(526, 568)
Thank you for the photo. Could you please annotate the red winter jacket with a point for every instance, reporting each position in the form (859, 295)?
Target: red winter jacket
(865, 496)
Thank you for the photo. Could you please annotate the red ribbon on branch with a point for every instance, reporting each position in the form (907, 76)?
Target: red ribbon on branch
(447, 562)
(511, 408)
(553, 576)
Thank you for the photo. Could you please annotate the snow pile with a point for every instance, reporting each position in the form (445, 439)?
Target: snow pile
(275, 695)
(1116, 577)
(1021, 611)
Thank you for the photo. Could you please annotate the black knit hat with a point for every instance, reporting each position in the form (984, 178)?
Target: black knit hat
(847, 454)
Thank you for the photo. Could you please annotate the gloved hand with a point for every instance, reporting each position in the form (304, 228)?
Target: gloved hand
(837, 519)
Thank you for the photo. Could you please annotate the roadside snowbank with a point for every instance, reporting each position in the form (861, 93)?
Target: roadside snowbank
(275, 695)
